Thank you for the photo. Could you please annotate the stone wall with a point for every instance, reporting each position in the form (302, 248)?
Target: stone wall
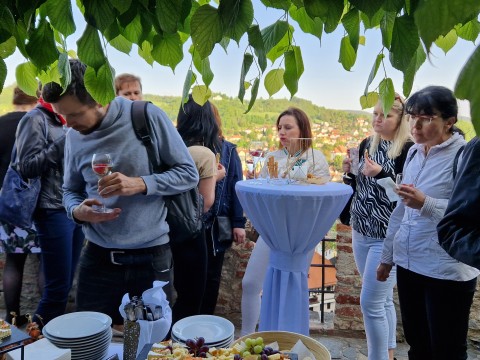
(348, 317)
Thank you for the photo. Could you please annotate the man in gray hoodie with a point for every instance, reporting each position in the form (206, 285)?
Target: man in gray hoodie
(128, 247)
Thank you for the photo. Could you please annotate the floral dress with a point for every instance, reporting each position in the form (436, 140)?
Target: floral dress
(19, 241)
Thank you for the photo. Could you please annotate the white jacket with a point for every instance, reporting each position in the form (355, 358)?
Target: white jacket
(412, 240)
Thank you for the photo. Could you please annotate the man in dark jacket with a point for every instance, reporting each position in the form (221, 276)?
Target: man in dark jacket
(459, 230)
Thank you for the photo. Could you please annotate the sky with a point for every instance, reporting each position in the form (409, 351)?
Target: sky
(324, 81)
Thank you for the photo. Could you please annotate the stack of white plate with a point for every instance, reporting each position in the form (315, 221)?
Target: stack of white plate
(88, 334)
(217, 331)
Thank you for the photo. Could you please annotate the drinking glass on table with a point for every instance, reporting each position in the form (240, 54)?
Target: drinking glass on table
(255, 157)
(102, 165)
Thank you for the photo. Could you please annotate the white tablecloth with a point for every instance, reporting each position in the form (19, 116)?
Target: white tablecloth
(292, 219)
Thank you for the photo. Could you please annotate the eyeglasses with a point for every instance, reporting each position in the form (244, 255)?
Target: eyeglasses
(421, 119)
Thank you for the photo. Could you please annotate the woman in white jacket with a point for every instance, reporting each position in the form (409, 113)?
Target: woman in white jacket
(435, 290)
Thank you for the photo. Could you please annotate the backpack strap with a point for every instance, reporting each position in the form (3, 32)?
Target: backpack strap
(455, 160)
(142, 130)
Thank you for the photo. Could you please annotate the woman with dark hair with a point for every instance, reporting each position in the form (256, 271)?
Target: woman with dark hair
(429, 281)
(381, 155)
(226, 205)
(292, 123)
(197, 126)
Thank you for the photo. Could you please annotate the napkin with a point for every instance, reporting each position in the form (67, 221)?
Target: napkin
(152, 331)
(302, 351)
(41, 350)
(389, 186)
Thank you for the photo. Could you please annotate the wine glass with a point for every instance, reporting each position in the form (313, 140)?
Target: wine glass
(102, 165)
(398, 180)
(299, 151)
(352, 151)
(255, 157)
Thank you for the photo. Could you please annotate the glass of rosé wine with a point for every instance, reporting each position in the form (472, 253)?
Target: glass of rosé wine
(102, 165)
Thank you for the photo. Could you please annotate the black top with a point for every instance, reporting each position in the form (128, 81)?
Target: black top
(8, 124)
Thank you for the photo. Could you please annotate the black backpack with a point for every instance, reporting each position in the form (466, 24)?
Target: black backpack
(184, 210)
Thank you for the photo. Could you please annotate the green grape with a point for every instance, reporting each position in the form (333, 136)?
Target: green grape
(248, 342)
(258, 349)
(259, 341)
(246, 353)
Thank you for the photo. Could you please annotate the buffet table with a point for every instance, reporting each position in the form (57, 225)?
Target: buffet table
(292, 219)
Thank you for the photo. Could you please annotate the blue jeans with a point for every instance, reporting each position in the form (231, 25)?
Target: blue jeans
(376, 297)
(61, 241)
(102, 283)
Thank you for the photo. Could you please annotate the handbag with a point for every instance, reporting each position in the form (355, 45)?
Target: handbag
(19, 196)
(184, 210)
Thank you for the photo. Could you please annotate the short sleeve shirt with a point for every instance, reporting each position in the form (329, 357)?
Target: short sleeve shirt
(204, 160)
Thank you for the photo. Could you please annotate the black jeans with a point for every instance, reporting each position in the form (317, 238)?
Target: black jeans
(189, 276)
(214, 276)
(435, 315)
(108, 274)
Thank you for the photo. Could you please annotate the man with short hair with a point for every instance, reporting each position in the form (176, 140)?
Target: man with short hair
(129, 86)
(128, 248)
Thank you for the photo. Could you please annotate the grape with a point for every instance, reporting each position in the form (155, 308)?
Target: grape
(200, 341)
(268, 350)
(203, 349)
(246, 353)
(202, 354)
(259, 341)
(258, 349)
(237, 357)
(248, 342)
(191, 344)
(264, 357)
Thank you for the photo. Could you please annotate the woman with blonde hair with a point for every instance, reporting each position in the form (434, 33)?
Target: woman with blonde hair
(380, 155)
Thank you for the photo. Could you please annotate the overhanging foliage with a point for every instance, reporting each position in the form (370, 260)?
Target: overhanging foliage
(160, 28)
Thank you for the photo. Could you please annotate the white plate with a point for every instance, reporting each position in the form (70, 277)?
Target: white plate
(78, 324)
(106, 333)
(82, 344)
(212, 328)
(221, 344)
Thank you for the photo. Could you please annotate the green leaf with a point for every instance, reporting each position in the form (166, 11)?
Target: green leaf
(100, 84)
(3, 74)
(467, 87)
(203, 66)
(351, 23)
(100, 13)
(254, 93)
(369, 100)
(90, 50)
(224, 44)
(206, 29)
(8, 47)
(236, 16)
(247, 62)
(438, 19)
(348, 55)
(293, 69)
(373, 21)
(448, 41)
(277, 4)
(64, 70)
(121, 44)
(41, 47)
(26, 76)
(145, 51)
(272, 34)
(316, 8)
(373, 72)
(133, 32)
(121, 5)
(369, 7)
(187, 84)
(51, 74)
(283, 45)
(7, 23)
(386, 94)
(61, 16)
(168, 15)
(307, 24)
(274, 81)
(405, 42)
(167, 50)
(256, 41)
(409, 75)
(386, 27)
(335, 11)
(469, 31)
(201, 94)
(393, 5)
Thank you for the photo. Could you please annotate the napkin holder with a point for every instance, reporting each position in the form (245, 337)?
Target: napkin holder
(140, 332)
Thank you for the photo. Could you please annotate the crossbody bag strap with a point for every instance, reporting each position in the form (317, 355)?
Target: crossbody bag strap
(455, 161)
(142, 130)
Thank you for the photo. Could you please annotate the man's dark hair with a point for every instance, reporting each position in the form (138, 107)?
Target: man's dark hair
(53, 92)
